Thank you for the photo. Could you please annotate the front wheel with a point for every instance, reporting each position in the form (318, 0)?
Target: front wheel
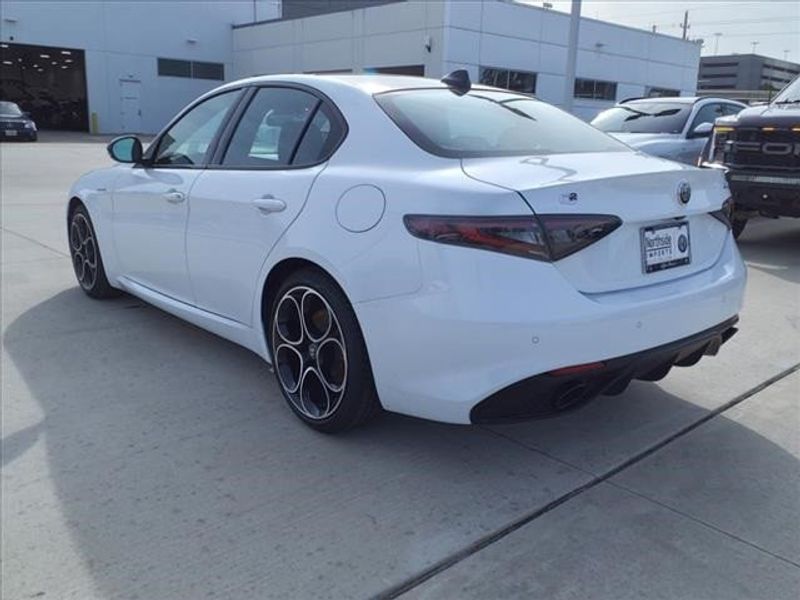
(85, 253)
(319, 355)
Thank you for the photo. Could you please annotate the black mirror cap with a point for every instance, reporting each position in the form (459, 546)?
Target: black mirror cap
(458, 82)
(125, 149)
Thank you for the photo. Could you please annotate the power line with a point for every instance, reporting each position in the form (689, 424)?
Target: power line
(760, 34)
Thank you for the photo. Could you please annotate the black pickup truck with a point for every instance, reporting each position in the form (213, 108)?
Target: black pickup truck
(759, 149)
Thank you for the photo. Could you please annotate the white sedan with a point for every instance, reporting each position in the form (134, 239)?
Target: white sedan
(454, 252)
(674, 128)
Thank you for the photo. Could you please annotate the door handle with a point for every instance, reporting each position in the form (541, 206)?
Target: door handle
(174, 196)
(269, 204)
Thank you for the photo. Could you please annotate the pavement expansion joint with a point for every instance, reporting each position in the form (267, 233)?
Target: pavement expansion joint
(488, 540)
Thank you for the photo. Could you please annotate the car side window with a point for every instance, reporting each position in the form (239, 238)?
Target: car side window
(731, 109)
(187, 141)
(708, 114)
(268, 133)
(320, 139)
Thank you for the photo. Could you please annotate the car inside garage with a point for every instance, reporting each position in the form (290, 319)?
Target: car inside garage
(47, 82)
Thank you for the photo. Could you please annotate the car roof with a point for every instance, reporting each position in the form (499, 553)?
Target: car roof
(677, 100)
(367, 83)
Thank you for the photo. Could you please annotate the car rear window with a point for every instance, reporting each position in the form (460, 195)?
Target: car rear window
(486, 123)
(644, 117)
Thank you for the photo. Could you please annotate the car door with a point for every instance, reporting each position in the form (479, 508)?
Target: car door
(705, 113)
(150, 200)
(242, 204)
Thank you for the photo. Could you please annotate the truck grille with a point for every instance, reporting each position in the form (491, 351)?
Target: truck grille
(776, 149)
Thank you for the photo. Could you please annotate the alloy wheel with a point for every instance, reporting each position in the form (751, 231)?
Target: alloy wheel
(309, 352)
(84, 251)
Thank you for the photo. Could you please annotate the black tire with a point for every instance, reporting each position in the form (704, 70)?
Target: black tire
(737, 226)
(86, 260)
(324, 374)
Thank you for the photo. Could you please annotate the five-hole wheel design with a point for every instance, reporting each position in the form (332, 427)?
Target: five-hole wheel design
(309, 351)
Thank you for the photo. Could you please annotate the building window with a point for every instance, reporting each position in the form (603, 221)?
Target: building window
(413, 70)
(517, 81)
(595, 90)
(170, 67)
(205, 70)
(720, 64)
(657, 92)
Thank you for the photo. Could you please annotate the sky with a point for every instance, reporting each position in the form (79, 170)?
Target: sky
(774, 24)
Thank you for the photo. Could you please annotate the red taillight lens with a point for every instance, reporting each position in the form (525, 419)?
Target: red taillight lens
(724, 214)
(542, 237)
(520, 236)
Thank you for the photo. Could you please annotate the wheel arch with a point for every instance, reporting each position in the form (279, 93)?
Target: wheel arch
(277, 273)
(72, 206)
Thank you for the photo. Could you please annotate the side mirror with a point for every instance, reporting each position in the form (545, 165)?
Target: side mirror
(702, 130)
(125, 149)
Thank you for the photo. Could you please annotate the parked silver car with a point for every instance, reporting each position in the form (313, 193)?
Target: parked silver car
(675, 128)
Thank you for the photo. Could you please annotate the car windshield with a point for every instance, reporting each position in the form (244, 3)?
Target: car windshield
(790, 94)
(644, 117)
(486, 123)
(10, 109)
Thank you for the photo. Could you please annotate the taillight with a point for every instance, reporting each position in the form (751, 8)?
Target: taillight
(724, 214)
(541, 237)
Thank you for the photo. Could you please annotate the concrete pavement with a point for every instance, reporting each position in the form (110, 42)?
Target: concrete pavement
(145, 458)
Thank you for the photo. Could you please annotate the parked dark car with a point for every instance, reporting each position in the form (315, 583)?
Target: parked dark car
(16, 124)
(759, 148)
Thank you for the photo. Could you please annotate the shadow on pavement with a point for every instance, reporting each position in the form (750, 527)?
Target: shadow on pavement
(180, 472)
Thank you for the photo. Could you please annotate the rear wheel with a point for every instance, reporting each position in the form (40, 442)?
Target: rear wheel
(86, 260)
(319, 355)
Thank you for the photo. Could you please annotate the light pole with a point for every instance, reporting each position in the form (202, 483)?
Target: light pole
(716, 42)
(572, 55)
(754, 44)
(786, 55)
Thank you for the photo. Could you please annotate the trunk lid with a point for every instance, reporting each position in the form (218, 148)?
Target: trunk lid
(639, 189)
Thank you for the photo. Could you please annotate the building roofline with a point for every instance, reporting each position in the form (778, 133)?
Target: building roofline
(515, 3)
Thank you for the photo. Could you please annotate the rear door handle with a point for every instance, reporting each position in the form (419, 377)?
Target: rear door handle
(174, 196)
(269, 204)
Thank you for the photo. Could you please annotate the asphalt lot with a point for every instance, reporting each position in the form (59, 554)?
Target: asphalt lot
(144, 458)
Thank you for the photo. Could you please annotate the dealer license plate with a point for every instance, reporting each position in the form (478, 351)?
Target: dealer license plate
(665, 246)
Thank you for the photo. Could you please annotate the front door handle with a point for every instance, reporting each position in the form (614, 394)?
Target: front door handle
(174, 196)
(269, 204)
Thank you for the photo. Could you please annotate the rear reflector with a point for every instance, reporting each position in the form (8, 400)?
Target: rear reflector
(724, 214)
(540, 237)
(577, 369)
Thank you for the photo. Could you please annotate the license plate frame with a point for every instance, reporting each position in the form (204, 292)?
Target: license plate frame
(660, 257)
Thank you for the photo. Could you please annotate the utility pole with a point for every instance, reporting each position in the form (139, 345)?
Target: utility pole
(572, 55)
(716, 43)
(685, 25)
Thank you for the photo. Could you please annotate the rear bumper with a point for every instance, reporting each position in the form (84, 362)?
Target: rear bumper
(549, 394)
(773, 194)
(484, 322)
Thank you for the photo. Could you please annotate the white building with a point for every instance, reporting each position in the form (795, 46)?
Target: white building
(111, 66)
(121, 65)
(496, 40)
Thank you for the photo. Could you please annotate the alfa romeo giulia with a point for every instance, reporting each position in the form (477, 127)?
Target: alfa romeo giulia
(435, 248)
